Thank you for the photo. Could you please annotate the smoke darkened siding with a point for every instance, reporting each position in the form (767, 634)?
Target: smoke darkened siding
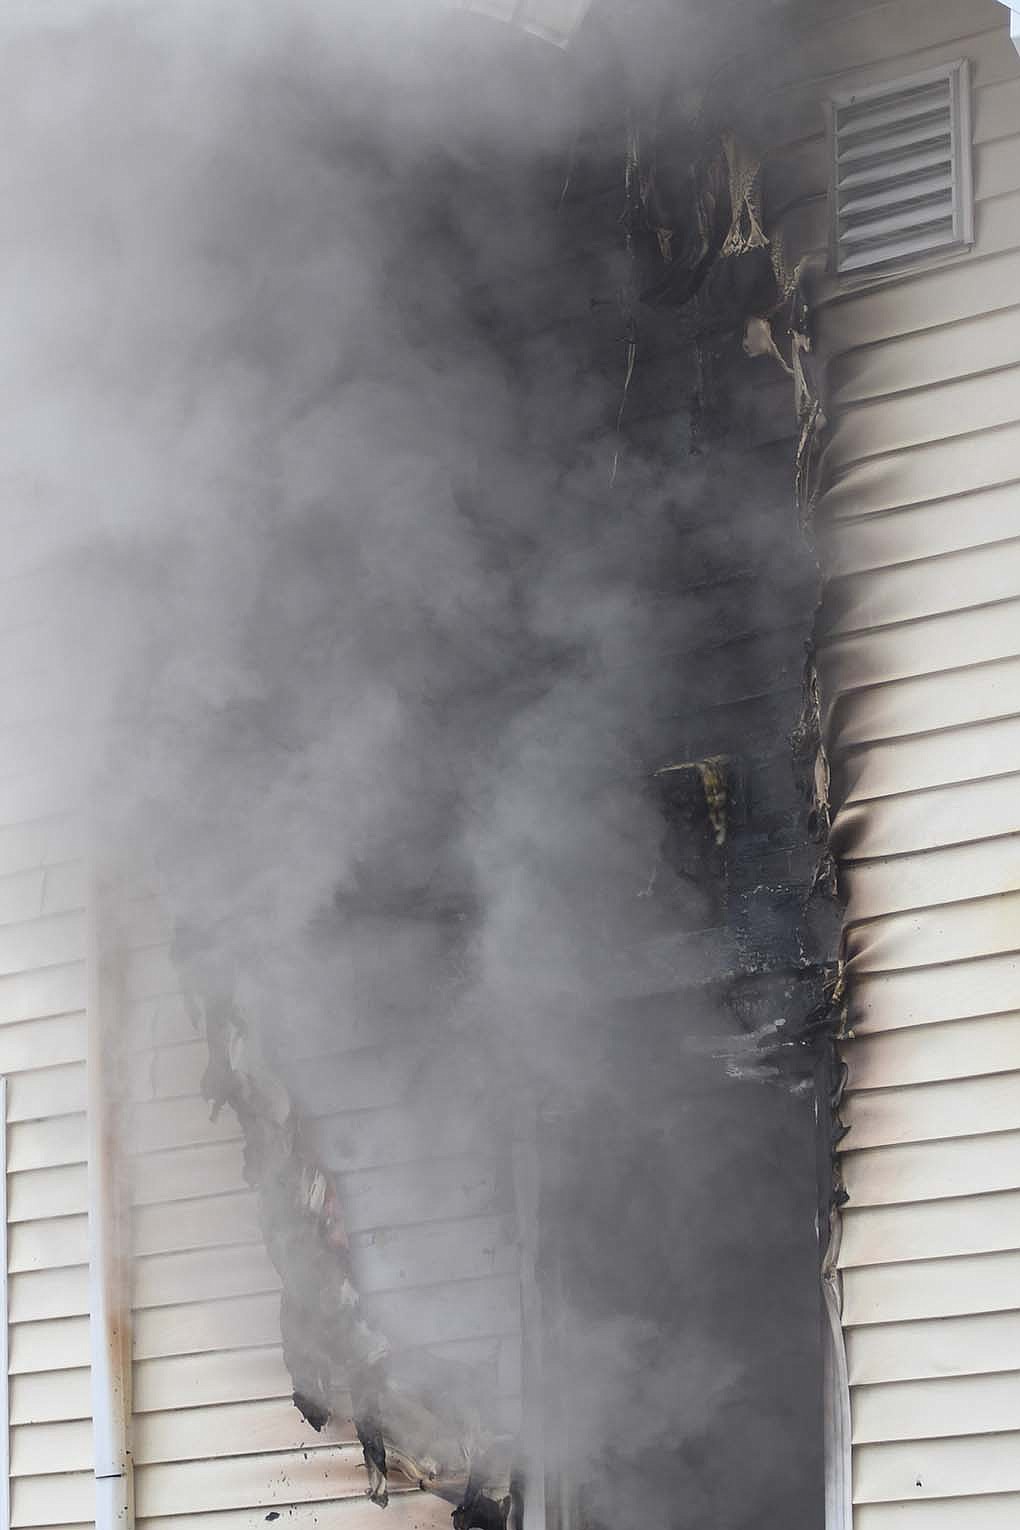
(918, 527)
(432, 1221)
(216, 1439)
(694, 1163)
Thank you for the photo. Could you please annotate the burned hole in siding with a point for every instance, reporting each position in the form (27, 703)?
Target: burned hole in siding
(449, 603)
(615, 983)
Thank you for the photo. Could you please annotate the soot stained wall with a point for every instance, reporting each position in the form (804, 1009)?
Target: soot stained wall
(707, 1281)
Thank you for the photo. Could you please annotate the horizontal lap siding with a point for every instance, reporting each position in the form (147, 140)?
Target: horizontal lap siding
(930, 1288)
(430, 1211)
(918, 529)
(215, 1434)
(216, 1439)
(989, 1512)
(42, 1053)
(409, 1511)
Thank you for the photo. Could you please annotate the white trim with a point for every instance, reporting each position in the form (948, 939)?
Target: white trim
(107, 1300)
(1013, 6)
(5, 1391)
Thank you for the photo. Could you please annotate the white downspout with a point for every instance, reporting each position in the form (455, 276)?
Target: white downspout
(108, 1325)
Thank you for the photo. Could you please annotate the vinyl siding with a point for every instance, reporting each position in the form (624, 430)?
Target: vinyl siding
(42, 1054)
(918, 530)
(214, 1430)
(430, 1212)
(429, 1198)
(216, 1440)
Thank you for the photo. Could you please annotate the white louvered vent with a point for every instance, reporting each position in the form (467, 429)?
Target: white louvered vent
(902, 170)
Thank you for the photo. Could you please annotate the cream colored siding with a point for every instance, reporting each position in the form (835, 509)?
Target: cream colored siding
(428, 1196)
(412, 1511)
(918, 527)
(42, 1055)
(432, 1219)
(216, 1440)
(554, 20)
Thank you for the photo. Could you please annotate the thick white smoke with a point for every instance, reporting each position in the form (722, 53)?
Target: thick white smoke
(367, 668)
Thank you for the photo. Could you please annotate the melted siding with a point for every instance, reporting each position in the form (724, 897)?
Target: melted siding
(919, 659)
(429, 1208)
(216, 1439)
(214, 1431)
(42, 1054)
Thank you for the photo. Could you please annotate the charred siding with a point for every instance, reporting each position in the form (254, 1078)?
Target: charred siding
(917, 652)
(216, 1438)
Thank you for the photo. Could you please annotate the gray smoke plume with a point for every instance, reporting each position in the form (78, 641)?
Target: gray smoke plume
(370, 671)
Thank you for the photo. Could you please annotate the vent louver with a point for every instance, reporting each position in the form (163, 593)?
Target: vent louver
(902, 175)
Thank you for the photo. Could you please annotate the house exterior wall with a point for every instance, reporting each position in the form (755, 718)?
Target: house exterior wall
(917, 528)
(214, 1434)
(429, 1206)
(216, 1438)
(42, 1055)
(918, 654)
(213, 1430)
(710, 438)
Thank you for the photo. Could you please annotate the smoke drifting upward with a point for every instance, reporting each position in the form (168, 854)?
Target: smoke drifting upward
(370, 670)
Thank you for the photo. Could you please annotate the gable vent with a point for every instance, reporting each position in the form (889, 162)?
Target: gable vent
(902, 172)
